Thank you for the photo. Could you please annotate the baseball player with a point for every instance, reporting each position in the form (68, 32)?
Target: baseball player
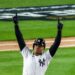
(36, 62)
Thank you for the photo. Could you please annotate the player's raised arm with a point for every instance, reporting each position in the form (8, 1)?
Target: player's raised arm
(57, 41)
(18, 33)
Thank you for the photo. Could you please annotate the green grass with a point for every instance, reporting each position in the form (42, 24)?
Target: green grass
(19, 3)
(10, 63)
(63, 63)
(34, 29)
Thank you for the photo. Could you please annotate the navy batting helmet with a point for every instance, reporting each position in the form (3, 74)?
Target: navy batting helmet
(39, 42)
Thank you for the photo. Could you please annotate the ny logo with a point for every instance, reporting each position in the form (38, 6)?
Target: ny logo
(42, 62)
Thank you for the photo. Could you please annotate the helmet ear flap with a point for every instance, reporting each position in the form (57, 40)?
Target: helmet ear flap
(33, 45)
(44, 45)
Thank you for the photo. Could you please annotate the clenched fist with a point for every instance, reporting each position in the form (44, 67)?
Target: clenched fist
(60, 25)
(15, 19)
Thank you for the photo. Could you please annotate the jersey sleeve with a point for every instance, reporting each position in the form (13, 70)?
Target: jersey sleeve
(56, 43)
(25, 52)
(48, 56)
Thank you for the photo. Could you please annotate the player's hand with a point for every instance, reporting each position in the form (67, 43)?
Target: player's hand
(60, 25)
(15, 19)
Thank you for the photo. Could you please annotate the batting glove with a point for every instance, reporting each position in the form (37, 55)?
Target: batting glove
(15, 19)
(60, 25)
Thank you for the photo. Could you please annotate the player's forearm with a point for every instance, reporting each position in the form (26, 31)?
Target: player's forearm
(19, 37)
(56, 43)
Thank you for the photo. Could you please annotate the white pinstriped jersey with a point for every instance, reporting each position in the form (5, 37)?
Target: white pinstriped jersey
(35, 65)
